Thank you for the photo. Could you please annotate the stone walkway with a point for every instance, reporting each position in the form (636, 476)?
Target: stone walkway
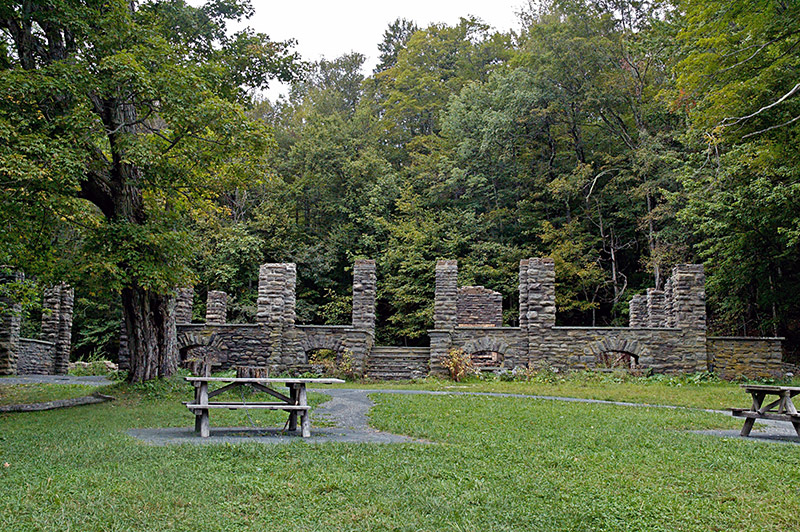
(348, 408)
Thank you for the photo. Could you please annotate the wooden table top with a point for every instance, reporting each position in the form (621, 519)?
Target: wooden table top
(289, 380)
(769, 389)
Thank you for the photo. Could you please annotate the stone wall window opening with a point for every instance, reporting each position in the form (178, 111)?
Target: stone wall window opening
(617, 359)
(326, 361)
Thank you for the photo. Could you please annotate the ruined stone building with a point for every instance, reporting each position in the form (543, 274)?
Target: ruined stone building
(667, 332)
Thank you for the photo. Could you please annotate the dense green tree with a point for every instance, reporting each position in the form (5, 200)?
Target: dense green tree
(121, 118)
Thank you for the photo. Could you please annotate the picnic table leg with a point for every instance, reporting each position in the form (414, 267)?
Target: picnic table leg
(305, 421)
(205, 429)
(196, 412)
(748, 426)
(293, 413)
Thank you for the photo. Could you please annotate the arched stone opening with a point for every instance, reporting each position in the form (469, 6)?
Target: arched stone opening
(616, 354)
(487, 353)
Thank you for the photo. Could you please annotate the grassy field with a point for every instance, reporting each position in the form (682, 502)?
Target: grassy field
(688, 391)
(40, 393)
(490, 464)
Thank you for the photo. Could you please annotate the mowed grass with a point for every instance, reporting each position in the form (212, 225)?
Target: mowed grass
(719, 395)
(489, 464)
(13, 394)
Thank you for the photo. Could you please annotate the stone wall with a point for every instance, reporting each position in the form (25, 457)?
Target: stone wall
(477, 306)
(49, 356)
(35, 357)
(276, 341)
(731, 357)
(10, 321)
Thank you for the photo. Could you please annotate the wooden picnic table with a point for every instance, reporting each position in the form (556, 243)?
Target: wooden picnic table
(781, 409)
(294, 403)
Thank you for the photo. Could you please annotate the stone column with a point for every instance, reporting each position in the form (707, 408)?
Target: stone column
(216, 307)
(51, 312)
(364, 292)
(689, 310)
(64, 341)
(523, 293)
(541, 293)
(10, 321)
(637, 307)
(689, 296)
(446, 296)
(183, 305)
(656, 313)
(271, 287)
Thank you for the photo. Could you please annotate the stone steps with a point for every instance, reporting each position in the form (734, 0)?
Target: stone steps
(392, 363)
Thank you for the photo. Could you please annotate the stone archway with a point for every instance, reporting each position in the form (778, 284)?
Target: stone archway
(616, 353)
(486, 352)
(199, 352)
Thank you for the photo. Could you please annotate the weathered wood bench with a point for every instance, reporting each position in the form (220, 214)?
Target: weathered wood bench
(781, 409)
(295, 403)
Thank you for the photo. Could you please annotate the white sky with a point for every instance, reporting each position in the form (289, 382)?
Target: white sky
(336, 27)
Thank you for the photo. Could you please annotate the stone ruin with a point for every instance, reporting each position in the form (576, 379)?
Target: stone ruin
(48, 355)
(667, 332)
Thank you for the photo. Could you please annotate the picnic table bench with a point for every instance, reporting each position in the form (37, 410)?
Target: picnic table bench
(296, 402)
(781, 409)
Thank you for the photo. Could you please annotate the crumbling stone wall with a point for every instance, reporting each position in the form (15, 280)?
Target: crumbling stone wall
(477, 306)
(20, 356)
(276, 341)
(35, 357)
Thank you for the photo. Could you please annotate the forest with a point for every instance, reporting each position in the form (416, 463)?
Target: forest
(619, 137)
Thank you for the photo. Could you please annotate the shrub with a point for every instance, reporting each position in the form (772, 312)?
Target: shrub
(458, 363)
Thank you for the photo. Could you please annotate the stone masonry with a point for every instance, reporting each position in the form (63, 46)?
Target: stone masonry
(50, 354)
(667, 332)
(216, 307)
(477, 306)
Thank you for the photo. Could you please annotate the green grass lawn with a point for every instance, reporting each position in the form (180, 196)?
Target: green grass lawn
(12, 394)
(491, 464)
(679, 391)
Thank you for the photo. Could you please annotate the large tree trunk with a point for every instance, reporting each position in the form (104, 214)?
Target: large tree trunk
(150, 322)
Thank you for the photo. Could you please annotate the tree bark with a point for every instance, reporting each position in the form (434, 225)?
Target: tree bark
(150, 323)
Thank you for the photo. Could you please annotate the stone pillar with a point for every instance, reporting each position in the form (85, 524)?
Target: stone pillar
(541, 293)
(10, 321)
(216, 307)
(523, 293)
(64, 341)
(271, 288)
(637, 307)
(689, 310)
(689, 296)
(289, 294)
(656, 313)
(364, 292)
(446, 296)
(183, 305)
(51, 311)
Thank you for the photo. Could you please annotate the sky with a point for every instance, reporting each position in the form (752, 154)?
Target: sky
(335, 27)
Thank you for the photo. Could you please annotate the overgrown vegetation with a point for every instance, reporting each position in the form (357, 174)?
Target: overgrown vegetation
(618, 137)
